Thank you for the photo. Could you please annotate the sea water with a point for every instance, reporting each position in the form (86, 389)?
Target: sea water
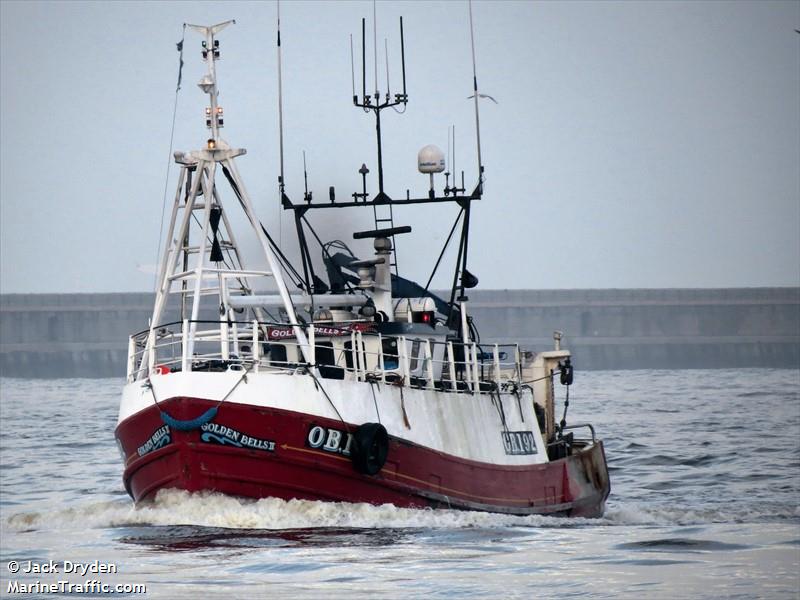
(705, 486)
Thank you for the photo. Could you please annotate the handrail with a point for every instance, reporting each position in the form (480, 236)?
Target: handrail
(435, 364)
(580, 425)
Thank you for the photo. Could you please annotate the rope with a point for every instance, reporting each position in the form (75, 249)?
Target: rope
(563, 423)
(169, 156)
(197, 421)
(500, 410)
(374, 399)
(406, 422)
(540, 378)
(328, 398)
(518, 396)
(473, 329)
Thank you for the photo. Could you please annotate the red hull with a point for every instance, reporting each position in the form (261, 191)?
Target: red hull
(261, 452)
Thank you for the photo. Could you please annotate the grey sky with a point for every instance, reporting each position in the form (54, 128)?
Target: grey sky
(635, 144)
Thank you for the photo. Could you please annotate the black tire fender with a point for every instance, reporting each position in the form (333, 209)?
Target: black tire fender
(370, 448)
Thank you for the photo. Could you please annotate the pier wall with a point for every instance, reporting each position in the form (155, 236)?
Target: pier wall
(85, 335)
(651, 328)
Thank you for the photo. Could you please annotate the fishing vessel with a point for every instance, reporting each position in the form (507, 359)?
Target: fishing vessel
(339, 380)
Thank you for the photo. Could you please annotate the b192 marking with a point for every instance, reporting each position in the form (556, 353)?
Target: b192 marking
(519, 442)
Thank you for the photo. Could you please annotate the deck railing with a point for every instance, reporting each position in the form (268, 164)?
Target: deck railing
(347, 352)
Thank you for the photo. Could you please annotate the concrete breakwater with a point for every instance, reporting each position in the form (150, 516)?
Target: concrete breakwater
(85, 335)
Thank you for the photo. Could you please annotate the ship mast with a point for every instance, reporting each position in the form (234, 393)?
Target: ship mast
(385, 227)
(215, 252)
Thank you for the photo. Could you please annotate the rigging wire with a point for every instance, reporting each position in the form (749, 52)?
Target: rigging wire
(284, 262)
(169, 156)
(444, 248)
(339, 244)
(318, 383)
(202, 419)
(549, 376)
(230, 256)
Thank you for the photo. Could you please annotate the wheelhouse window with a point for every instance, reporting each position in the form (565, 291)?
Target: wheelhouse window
(390, 358)
(414, 359)
(277, 354)
(326, 361)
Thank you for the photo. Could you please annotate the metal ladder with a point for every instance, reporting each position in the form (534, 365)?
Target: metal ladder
(384, 219)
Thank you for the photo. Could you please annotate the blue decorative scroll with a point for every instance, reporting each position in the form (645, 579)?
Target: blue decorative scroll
(207, 436)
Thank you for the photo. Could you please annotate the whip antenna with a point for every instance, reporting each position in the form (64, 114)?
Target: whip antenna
(449, 159)
(306, 196)
(364, 61)
(353, 70)
(454, 155)
(370, 103)
(403, 58)
(280, 101)
(375, 44)
(475, 91)
(386, 50)
(281, 184)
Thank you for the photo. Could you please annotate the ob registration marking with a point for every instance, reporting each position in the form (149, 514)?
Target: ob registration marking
(329, 439)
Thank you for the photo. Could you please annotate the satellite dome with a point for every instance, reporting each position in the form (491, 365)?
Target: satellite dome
(430, 159)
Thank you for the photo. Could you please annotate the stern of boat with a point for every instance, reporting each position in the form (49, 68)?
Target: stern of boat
(587, 484)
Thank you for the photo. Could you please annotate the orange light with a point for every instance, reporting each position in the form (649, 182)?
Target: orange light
(208, 110)
(211, 144)
(219, 110)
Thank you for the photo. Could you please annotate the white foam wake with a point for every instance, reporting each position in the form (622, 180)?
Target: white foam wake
(635, 513)
(175, 507)
(205, 509)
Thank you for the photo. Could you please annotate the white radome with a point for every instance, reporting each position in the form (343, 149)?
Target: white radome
(430, 159)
